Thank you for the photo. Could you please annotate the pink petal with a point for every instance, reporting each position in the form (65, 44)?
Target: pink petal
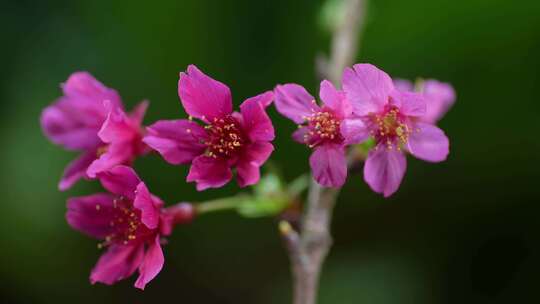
(427, 142)
(440, 97)
(117, 127)
(209, 172)
(76, 170)
(202, 96)
(66, 124)
(329, 165)
(354, 131)
(301, 135)
(91, 214)
(335, 99)
(367, 88)
(144, 202)
(403, 85)
(255, 121)
(178, 141)
(121, 180)
(137, 114)
(384, 169)
(119, 262)
(409, 103)
(294, 102)
(151, 265)
(255, 155)
(265, 99)
(120, 153)
(73, 121)
(83, 85)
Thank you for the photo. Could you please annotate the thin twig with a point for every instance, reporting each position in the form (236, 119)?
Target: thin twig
(309, 247)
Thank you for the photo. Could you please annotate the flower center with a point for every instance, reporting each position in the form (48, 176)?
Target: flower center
(389, 128)
(226, 137)
(323, 126)
(126, 224)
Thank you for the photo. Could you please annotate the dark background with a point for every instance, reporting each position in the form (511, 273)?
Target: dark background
(463, 231)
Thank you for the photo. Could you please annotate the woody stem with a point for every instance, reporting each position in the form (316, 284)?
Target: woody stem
(309, 246)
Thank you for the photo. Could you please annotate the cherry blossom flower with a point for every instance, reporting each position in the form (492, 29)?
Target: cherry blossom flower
(320, 128)
(394, 119)
(130, 221)
(229, 139)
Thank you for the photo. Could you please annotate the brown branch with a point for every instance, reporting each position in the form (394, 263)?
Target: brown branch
(309, 247)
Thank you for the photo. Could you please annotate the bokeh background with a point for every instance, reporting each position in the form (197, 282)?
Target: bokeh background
(463, 231)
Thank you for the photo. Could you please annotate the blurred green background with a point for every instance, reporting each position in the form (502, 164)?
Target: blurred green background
(463, 231)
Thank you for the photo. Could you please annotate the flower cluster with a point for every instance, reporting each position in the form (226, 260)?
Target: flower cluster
(369, 105)
(131, 222)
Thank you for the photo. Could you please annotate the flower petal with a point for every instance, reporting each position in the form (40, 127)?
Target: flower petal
(83, 86)
(265, 99)
(335, 99)
(367, 88)
(121, 180)
(255, 121)
(254, 157)
(202, 96)
(354, 131)
(121, 153)
(209, 172)
(294, 102)
(91, 214)
(119, 262)
(384, 169)
(144, 202)
(117, 127)
(137, 114)
(301, 135)
(329, 165)
(76, 170)
(440, 97)
(64, 123)
(178, 141)
(403, 85)
(409, 103)
(73, 121)
(151, 265)
(429, 143)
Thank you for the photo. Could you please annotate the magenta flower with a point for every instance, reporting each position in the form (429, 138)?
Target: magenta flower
(90, 118)
(439, 96)
(130, 221)
(394, 119)
(229, 140)
(320, 129)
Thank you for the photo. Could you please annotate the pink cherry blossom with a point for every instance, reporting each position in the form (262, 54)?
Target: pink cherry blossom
(229, 139)
(395, 119)
(439, 96)
(320, 127)
(90, 118)
(130, 221)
